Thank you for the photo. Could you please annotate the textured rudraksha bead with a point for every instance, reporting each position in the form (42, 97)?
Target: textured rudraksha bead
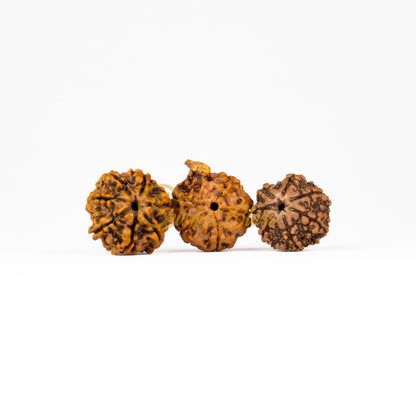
(130, 212)
(292, 214)
(211, 209)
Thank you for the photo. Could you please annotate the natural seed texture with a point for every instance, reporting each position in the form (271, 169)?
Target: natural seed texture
(130, 212)
(292, 214)
(211, 209)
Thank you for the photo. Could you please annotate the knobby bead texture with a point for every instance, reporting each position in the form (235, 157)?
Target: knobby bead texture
(211, 209)
(292, 214)
(130, 212)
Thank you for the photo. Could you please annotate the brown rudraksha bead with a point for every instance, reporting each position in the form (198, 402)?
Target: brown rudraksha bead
(211, 209)
(292, 214)
(130, 212)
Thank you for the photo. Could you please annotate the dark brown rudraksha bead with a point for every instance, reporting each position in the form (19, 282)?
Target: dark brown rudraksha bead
(292, 214)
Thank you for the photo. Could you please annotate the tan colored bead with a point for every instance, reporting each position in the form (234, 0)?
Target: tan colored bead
(130, 212)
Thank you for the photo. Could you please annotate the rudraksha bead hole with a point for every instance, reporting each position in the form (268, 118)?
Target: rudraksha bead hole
(214, 206)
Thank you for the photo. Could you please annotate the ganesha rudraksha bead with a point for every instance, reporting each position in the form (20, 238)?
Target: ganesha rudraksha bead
(211, 209)
(130, 212)
(292, 214)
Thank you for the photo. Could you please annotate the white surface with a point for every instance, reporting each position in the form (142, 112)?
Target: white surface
(255, 89)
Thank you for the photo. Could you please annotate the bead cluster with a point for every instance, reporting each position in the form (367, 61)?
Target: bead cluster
(131, 212)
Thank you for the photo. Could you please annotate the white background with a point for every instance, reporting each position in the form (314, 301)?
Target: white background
(257, 89)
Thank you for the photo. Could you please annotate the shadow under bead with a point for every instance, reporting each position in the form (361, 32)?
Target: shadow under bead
(292, 214)
(211, 209)
(130, 212)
